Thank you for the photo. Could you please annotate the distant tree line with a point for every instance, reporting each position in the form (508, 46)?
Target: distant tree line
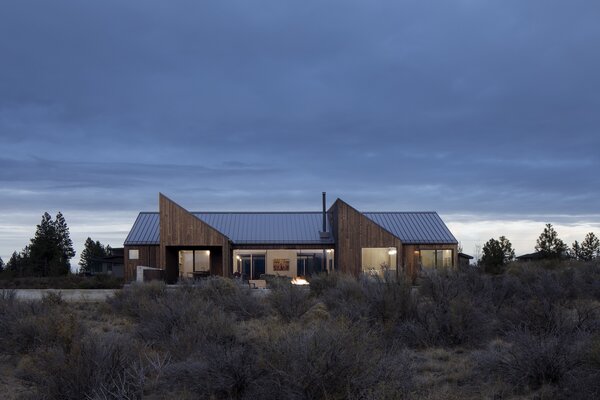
(48, 253)
(91, 254)
(497, 253)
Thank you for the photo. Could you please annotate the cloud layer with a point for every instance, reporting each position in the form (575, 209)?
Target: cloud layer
(464, 107)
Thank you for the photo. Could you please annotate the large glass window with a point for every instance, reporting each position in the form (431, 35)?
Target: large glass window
(194, 261)
(251, 266)
(309, 263)
(436, 258)
(377, 260)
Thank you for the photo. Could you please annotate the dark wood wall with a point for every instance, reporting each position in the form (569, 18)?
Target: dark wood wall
(352, 232)
(180, 228)
(148, 256)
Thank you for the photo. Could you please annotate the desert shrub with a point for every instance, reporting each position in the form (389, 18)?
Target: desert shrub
(94, 367)
(331, 360)
(25, 326)
(527, 360)
(342, 294)
(451, 309)
(137, 297)
(389, 301)
(323, 282)
(288, 301)
(458, 322)
(181, 323)
(53, 298)
(587, 280)
(233, 297)
(219, 371)
(7, 296)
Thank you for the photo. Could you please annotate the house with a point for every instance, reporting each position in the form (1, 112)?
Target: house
(538, 255)
(112, 264)
(464, 260)
(249, 244)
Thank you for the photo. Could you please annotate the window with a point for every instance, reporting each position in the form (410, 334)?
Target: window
(436, 259)
(377, 260)
(251, 266)
(309, 264)
(194, 261)
(134, 254)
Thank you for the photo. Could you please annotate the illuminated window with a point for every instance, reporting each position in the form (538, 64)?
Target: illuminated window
(436, 258)
(377, 260)
(134, 254)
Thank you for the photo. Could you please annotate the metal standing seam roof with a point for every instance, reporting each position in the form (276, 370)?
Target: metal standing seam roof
(145, 229)
(296, 227)
(242, 227)
(414, 227)
(267, 227)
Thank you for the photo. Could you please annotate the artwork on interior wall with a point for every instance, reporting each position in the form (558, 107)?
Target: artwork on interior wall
(281, 264)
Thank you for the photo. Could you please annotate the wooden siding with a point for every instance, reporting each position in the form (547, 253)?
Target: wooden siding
(148, 256)
(180, 228)
(352, 232)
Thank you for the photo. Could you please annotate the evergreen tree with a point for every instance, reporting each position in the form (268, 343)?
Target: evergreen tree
(44, 248)
(589, 247)
(2, 266)
(18, 262)
(51, 248)
(65, 245)
(13, 263)
(496, 254)
(549, 245)
(576, 250)
(92, 250)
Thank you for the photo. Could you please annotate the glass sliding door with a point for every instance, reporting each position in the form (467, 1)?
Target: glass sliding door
(258, 266)
(252, 266)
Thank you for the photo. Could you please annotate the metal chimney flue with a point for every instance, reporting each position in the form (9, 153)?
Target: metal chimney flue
(324, 211)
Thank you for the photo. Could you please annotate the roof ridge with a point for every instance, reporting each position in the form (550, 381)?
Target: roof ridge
(256, 212)
(399, 212)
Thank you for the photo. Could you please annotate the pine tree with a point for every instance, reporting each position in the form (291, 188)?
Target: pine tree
(576, 250)
(19, 262)
(549, 245)
(65, 245)
(589, 247)
(13, 263)
(44, 248)
(2, 266)
(92, 250)
(496, 254)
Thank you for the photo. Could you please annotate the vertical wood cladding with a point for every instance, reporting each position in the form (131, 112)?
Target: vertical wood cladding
(148, 256)
(180, 228)
(352, 232)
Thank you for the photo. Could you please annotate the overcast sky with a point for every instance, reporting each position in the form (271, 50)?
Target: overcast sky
(485, 111)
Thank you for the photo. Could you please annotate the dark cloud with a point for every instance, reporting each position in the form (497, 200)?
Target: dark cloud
(458, 106)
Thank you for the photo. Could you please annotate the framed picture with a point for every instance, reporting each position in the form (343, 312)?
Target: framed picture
(281, 264)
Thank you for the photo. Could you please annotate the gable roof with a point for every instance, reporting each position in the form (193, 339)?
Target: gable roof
(242, 227)
(414, 227)
(295, 227)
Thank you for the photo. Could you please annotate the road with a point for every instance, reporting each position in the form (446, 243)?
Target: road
(71, 295)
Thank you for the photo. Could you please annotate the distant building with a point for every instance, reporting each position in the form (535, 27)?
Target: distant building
(251, 244)
(539, 255)
(464, 260)
(112, 264)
